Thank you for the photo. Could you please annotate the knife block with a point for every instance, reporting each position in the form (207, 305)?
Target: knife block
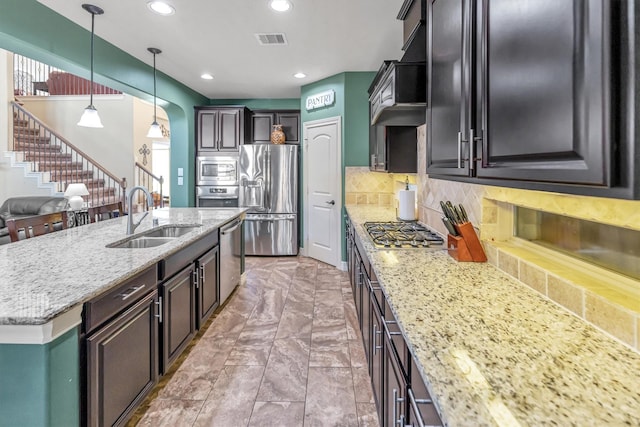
(465, 247)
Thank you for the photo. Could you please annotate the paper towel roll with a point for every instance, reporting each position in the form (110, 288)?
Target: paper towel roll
(407, 205)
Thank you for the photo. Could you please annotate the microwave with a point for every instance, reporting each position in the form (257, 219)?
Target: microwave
(219, 170)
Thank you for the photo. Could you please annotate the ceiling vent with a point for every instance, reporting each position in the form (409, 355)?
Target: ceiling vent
(271, 38)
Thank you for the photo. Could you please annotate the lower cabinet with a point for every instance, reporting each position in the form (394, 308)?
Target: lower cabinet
(135, 331)
(376, 357)
(122, 363)
(399, 391)
(395, 386)
(420, 408)
(178, 314)
(207, 284)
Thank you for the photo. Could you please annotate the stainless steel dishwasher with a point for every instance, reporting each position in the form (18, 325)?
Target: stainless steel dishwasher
(231, 241)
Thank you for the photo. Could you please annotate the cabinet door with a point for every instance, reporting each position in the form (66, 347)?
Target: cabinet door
(122, 363)
(290, 126)
(420, 407)
(208, 290)
(229, 129)
(366, 319)
(207, 138)
(179, 315)
(358, 283)
(449, 87)
(545, 110)
(261, 126)
(376, 363)
(395, 387)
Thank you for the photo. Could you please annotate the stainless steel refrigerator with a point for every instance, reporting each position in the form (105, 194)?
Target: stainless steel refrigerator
(269, 188)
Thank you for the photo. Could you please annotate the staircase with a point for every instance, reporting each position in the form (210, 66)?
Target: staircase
(60, 162)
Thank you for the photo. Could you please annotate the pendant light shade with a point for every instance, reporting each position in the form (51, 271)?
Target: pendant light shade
(90, 117)
(154, 129)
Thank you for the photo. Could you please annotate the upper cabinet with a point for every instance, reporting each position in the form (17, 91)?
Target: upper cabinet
(536, 95)
(413, 15)
(262, 122)
(220, 128)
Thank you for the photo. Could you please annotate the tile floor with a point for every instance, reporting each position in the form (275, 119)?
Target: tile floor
(284, 351)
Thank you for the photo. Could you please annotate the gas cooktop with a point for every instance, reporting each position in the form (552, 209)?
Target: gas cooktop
(402, 235)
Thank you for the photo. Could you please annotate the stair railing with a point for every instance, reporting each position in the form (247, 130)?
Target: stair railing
(146, 178)
(47, 151)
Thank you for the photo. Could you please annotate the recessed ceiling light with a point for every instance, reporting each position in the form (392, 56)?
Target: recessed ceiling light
(299, 75)
(161, 8)
(280, 5)
(206, 76)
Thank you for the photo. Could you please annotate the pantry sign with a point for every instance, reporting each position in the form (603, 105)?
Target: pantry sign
(322, 99)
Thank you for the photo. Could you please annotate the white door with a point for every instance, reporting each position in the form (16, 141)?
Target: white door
(323, 183)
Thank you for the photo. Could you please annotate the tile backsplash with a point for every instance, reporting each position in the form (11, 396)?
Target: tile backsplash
(363, 187)
(490, 210)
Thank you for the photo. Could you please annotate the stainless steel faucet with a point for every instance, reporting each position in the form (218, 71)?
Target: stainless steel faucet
(130, 224)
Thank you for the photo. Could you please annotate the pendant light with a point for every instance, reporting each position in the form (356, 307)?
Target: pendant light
(154, 129)
(90, 117)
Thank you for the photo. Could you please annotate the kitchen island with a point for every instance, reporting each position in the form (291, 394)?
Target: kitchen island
(44, 283)
(492, 351)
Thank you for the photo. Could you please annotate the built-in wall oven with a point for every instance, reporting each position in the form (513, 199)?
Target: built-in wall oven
(217, 182)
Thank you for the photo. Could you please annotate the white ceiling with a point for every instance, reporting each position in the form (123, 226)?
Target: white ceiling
(325, 37)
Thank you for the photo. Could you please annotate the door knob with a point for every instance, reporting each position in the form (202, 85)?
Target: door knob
(331, 202)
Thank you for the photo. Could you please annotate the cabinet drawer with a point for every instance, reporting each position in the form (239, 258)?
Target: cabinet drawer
(104, 307)
(179, 260)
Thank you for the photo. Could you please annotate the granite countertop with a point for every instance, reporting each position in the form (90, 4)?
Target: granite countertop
(43, 277)
(494, 352)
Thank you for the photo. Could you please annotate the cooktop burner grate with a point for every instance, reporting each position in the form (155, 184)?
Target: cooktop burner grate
(402, 235)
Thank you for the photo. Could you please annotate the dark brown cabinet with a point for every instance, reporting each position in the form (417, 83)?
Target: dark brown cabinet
(133, 333)
(178, 315)
(262, 122)
(413, 15)
(396, 106)
(207, 284)
(220, 128)
(399, 391)
(532, 95)
(393, 149)
(122, 363)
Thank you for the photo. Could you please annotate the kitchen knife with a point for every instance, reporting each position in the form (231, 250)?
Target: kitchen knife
(463, 212)
(450, 228)
(445, 210)
(459, 214)
(454, 215)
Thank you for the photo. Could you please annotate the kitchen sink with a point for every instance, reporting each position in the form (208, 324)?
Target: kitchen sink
(141, 242)
(170, 231)
(154, 237)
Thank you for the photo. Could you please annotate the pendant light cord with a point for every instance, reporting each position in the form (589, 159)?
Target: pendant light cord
(155, 120)
(93, 18)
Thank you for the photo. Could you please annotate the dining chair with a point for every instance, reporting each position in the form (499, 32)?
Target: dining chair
(111, 210)
(36, 225)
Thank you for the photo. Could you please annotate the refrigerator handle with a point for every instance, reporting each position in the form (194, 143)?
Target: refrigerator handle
(267, 169)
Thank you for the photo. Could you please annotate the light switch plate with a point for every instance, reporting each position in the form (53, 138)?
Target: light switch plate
(180, 180)
(180, 172)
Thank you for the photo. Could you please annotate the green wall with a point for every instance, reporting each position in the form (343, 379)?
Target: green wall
(261, 104)
(31, 29)
(356, 110)
(40, 384)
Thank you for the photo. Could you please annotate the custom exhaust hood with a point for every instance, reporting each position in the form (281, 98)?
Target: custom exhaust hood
(397, 95)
